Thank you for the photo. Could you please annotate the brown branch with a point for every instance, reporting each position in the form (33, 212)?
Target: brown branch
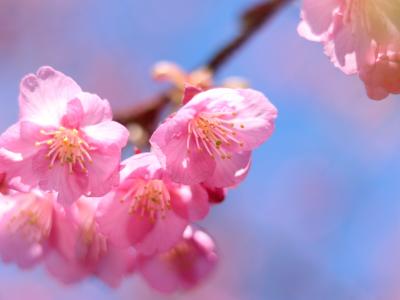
(147, 113)
(251, 21)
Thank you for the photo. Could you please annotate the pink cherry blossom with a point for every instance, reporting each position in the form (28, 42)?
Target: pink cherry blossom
(169, 71)
(148, 210)
(360, 36)
(383, 77)
(26, 222)
(211, 137)
(65, 140)
(184, 266)
(80, 249)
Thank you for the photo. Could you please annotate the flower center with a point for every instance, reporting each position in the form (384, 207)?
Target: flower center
(150, 198)
(67, 147)
(215, 133)
(30, 223)
(182, 256)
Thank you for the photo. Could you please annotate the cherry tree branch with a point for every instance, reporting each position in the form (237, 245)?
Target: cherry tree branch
(146, 114)
(251, 21)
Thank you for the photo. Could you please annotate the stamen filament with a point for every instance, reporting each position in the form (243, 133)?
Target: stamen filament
(149, 198)
(214, 134)
(67, 147)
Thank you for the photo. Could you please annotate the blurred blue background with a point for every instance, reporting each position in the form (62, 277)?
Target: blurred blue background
(319, 215)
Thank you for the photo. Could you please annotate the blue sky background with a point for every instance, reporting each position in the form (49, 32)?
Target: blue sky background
(319, 215)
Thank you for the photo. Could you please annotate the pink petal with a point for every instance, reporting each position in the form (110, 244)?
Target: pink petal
(113, 218)
(191, 261)
(138, 228)
(69, 186)
(140, 165)
(115, 265)
(16, 152)
(96, 110)
(74, 114)
(165, 233)
(50, 89)
(318, 15)
(65, 270)
(382, 77)
(190, 202)
(159, 275)
(18, 141)
(64, 233)
(255, 120)
(305, 31)
(105, 134)
(103, 173)
(123, 228)
(20, 241)
(230, 172)
(30, 134)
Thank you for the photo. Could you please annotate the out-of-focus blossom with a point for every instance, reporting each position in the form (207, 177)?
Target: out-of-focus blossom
(360, 36)
(169, 71)
(211, 137)
(383, 77)
(201, 79)
(184, 266)
(65, 140)
(26, 222)
(148, 210)
(80, 249)
(235, 82)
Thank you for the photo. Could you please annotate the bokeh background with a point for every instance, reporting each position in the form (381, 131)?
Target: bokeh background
(319, 215)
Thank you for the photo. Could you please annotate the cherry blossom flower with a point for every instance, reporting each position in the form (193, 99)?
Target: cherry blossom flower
(211, 137)
(26, 222)
(169, 71)
(80, 249)
(383, 77)
(184, 266)
(65, 140)
(360, 36)
(148, 210)
(201, 79)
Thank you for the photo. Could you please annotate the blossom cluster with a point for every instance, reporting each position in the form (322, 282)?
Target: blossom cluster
(68, 202)
(361, 37)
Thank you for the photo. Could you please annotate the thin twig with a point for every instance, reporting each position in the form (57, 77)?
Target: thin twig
(147, 113)
(251, 21)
